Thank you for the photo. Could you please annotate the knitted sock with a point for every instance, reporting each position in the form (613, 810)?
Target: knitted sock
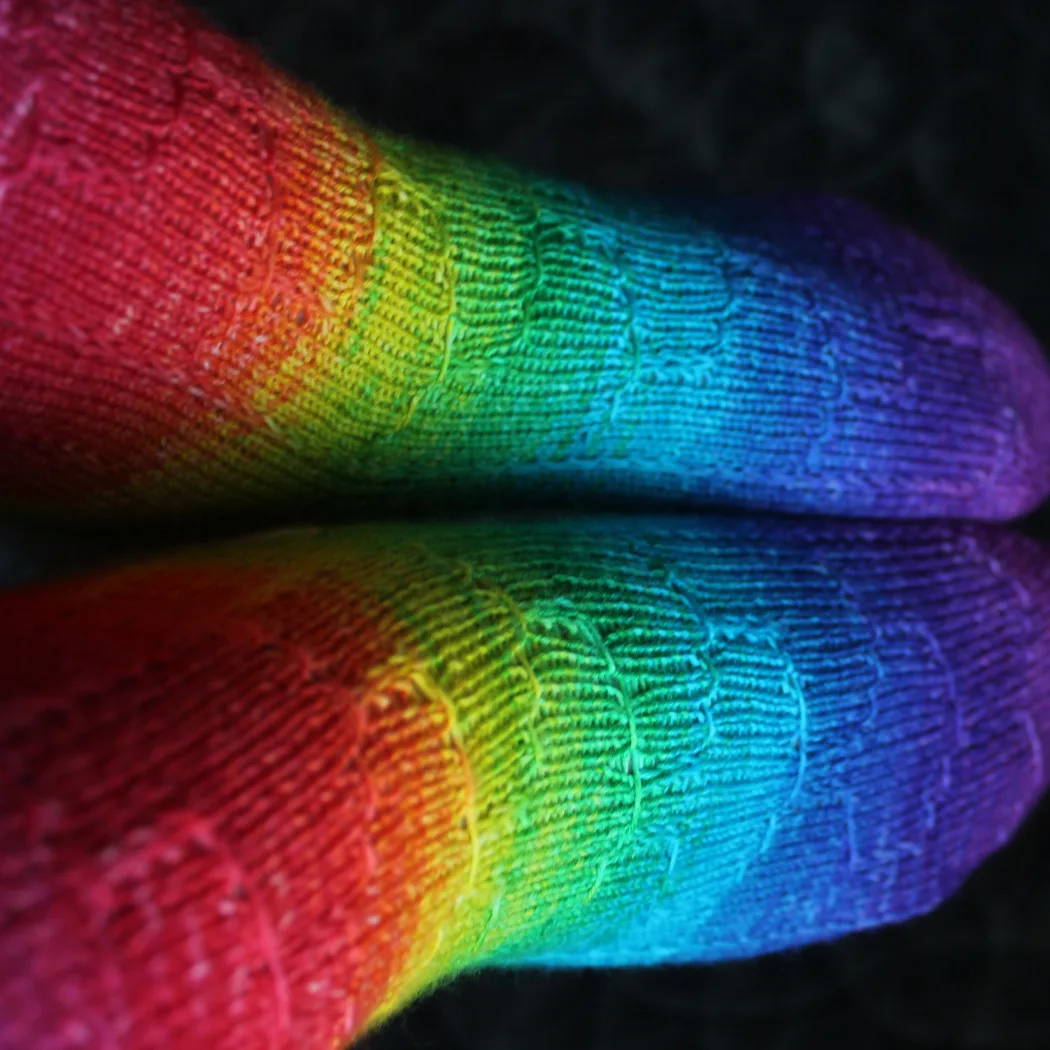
(259, 796)
(218, 292)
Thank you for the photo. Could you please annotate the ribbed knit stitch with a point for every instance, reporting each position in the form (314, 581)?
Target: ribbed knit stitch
(259, 796)
(228, 295)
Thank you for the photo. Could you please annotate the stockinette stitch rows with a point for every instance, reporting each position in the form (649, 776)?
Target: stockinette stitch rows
(264, 794)
(228, 295)
(260, 795)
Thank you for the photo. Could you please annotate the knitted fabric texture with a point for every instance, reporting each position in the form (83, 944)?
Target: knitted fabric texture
(259, 796)
(228, 295)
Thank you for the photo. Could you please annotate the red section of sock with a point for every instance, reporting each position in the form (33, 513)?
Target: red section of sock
(204, 840)
(174, 206)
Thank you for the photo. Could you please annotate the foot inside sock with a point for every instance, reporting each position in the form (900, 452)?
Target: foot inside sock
(284, 785)
(217, 293)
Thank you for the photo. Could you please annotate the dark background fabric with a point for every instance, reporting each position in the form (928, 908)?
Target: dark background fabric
(935, 111)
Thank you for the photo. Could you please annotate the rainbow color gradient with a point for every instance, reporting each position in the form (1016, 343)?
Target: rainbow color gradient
(263, 304)
(335, 768)
(259, 795)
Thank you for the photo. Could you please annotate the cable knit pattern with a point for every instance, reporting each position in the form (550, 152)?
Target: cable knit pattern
(260, 795)
(228, 295)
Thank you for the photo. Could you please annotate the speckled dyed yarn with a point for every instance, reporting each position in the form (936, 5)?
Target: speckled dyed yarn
(226, 295)
(259, 796)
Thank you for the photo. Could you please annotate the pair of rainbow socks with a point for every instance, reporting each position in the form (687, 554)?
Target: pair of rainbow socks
(262, 793)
